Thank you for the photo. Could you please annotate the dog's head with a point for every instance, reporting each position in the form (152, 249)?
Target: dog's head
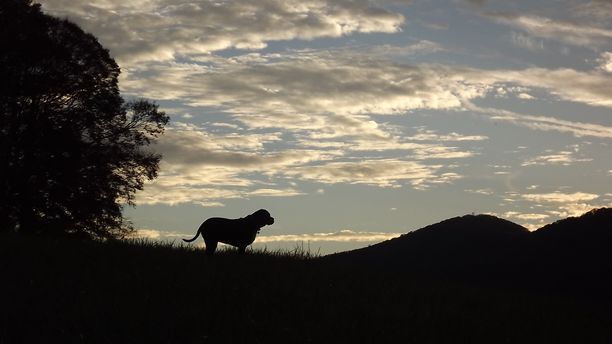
(261, 218)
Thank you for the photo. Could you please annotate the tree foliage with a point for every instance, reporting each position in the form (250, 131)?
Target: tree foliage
(72, 151)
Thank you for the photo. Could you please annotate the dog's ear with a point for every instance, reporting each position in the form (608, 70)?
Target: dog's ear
(261, 217)
(262, 213)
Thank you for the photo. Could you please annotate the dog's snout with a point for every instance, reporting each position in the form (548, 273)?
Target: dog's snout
(271, 220)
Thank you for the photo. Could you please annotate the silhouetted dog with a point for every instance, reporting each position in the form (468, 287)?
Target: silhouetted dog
(236, 232)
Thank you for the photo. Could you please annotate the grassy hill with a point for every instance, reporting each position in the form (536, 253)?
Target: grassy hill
(72, 291)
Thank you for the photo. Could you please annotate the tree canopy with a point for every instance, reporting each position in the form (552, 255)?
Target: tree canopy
(73, 152)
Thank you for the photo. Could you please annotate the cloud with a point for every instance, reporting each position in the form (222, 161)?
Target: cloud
(594, 10)
(154, 234)
(544, 123)
(415, 150)
(266, 192)
(424, 134)
(186, 145)
(324, 108)
(559, 197)
(486, 192)
(160, 30)
(527, 42)
(327, 97)
(572, 85)
(293, 88)
(171, 193)
(564, 158)
(384, 51)
(339, 236)
(505, 91)
(580, 34)
(203, 168)
(531, 221)
(605, 61)
(525, 216)
(536, 209)
(324, 101)
(377, 172)
(573, 209)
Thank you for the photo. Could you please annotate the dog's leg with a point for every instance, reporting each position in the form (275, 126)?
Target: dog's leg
(211, 246)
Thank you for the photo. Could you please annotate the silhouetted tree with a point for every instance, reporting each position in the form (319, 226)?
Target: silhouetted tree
(72, 151)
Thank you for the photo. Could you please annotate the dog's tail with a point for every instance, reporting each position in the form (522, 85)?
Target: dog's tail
(192, 239)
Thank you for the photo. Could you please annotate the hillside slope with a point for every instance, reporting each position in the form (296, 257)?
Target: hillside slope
(457, 245)
(576, 251)
(570, 254)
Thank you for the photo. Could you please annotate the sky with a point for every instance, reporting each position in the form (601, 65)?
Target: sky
(355, 121)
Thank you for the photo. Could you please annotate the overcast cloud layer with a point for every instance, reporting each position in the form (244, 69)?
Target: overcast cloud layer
(505, 103)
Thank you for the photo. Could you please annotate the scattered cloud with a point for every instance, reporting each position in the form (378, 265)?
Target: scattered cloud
(339, 236)
(526, 41)
(565, 158)
(525, 96)
(534, 210)
(531, 221)
(266, 192)
(171, 193)
(594, 10)
(605, 61)
(505, 91)
(573, 209)
(568, 84)
(580, 34)
(203, 168)
(154, 234)
(421, 47)
(346, 96)
(544, 123)
(424, 134)
(160, 30)
(378, 172)
(559, 197)
(486, 192)
(342, 93)
(525, 216)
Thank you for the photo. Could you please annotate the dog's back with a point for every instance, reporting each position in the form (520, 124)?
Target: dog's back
(235, 232)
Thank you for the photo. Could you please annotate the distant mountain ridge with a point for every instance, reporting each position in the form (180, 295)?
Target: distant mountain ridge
(595, 222)
(484, 247)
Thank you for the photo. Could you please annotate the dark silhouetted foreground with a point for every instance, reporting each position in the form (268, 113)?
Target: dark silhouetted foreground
(115, 292)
